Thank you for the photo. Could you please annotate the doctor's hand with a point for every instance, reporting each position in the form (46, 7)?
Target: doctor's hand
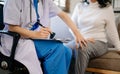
(80, 41)
(43, 33)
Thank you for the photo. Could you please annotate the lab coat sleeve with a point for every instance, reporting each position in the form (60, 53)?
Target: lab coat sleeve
(12, 12)
(54, 9)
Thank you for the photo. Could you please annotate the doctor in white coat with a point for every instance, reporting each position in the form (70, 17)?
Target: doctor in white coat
(17, 18)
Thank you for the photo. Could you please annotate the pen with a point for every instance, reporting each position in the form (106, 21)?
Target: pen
(52, 34)
(41, 25)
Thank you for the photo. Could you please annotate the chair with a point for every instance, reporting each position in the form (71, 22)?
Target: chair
(7, 63)
(109, 63)
(1, 16)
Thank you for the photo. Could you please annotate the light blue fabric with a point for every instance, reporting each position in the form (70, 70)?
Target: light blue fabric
(36, 25)
(36, 8)
(54, 55)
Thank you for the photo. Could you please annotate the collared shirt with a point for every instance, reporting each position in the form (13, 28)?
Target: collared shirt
(17, 12)
(21, 8)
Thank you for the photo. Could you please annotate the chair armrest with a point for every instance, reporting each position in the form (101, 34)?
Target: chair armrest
(16, 38)
(14, 34)
(10, 59)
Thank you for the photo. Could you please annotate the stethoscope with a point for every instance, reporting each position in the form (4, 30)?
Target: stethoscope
(52, 34)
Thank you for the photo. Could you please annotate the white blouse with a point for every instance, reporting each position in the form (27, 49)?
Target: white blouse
(95, 22)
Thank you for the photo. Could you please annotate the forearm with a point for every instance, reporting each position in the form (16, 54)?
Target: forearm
(79, 38)
(69, 22)
(22, 31)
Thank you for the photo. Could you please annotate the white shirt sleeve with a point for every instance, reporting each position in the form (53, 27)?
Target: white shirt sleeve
(12, 11)
(111, 28)
(54, 9)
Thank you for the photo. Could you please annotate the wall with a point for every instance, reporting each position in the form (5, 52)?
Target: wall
(72, 4)
(117, 3)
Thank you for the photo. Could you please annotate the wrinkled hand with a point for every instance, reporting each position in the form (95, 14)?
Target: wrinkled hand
(43, 33)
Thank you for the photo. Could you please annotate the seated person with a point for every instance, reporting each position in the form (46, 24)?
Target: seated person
(19, 17)
(95, 21)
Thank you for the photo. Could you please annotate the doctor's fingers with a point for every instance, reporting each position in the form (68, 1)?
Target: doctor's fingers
(82, 40)
(43, 34)
(81, 43)
(46, 29)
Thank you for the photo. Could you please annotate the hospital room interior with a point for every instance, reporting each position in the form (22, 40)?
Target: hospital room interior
(107, 63)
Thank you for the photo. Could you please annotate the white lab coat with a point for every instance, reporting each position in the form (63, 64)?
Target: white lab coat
(17, 12)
